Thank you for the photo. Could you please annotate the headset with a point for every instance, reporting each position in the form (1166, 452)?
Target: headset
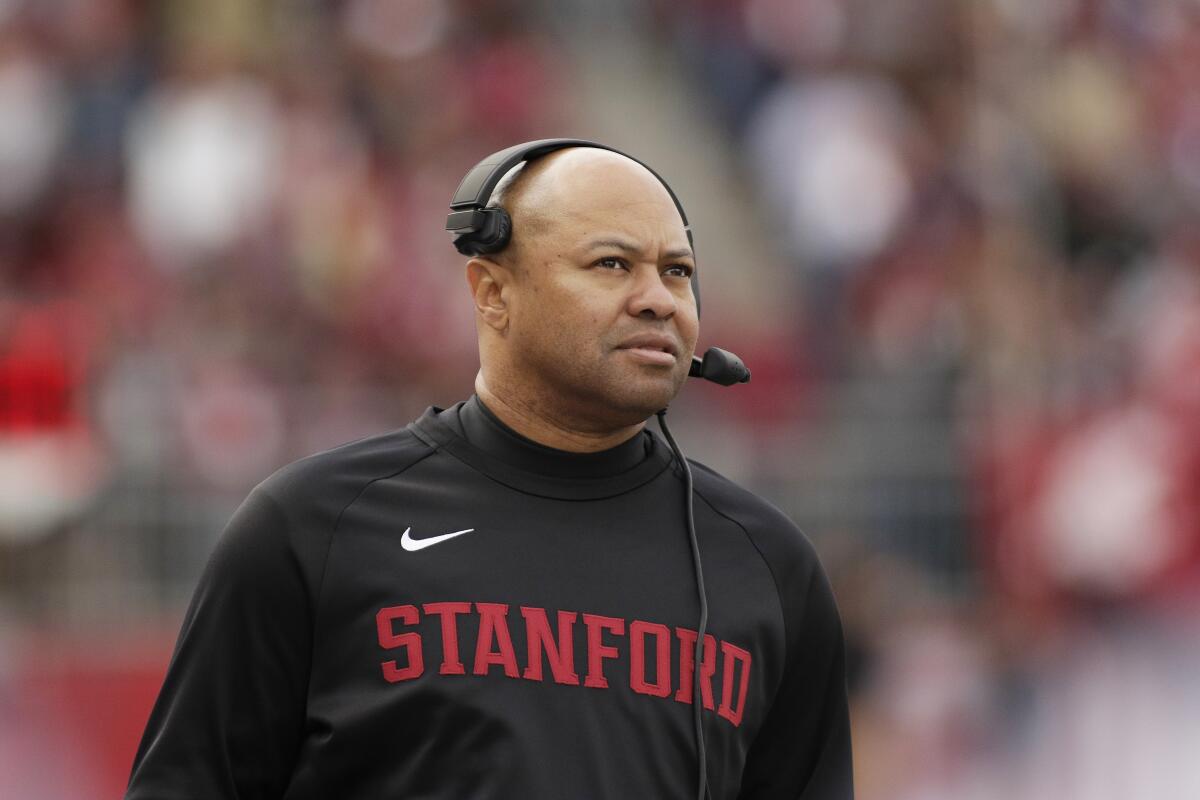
(480, 229)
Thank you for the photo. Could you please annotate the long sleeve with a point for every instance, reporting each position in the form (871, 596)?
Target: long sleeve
(229, 719)
(803, 749)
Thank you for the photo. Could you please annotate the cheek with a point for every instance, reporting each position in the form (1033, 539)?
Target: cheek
(555, 323)
(689, 327)
(570, 316)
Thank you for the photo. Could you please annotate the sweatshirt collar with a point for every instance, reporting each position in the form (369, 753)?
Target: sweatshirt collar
(471, 432)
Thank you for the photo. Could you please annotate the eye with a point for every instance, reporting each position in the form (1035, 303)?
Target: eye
(611, 262)
(682, 270)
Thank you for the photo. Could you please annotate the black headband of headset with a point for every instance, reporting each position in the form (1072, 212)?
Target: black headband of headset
(476, 188)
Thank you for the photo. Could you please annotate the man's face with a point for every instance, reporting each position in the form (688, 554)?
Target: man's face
(601, 311)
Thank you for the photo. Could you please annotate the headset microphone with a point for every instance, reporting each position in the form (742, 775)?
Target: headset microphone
(719, 366)
(480, 229)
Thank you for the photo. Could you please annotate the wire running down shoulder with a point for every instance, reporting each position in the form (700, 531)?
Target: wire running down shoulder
(698, 655)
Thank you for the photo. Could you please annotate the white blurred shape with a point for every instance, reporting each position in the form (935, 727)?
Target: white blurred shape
(202, 164)
(399, 29)
(1104, 511)
(1115, 715)
(45, 480)
(828, 155)
(32, 126)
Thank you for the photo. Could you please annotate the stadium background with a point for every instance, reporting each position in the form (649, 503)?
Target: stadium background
(956, 242)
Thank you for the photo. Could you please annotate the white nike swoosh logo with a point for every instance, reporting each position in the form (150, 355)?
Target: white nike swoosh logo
(412, 545)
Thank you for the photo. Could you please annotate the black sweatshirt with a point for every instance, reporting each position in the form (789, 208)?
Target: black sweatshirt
(450, 610)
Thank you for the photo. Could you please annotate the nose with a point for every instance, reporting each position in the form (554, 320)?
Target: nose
(651, 297)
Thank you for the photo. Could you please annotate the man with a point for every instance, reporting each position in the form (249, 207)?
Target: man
(498, 600)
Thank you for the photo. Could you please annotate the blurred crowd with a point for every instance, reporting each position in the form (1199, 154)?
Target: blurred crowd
(206, 204)
(992, 209)
(221, 248)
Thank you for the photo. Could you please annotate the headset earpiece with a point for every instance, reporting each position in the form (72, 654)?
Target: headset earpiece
(490, 232)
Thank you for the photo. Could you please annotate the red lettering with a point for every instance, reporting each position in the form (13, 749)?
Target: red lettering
(597, 650)
(687, 661)
(451, 665)
(662, 658)
(727, 710)
(389, 640)
(556, 646)
(539, 638)
(493, 626)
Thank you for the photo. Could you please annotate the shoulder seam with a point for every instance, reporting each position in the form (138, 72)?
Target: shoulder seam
(774, 581)
(320, 587)
(337, 522)
(424, 437)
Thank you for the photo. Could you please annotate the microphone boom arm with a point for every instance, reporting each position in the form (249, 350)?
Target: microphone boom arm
(719, 366)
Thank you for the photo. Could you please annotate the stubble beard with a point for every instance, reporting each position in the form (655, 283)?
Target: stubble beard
(600, 395)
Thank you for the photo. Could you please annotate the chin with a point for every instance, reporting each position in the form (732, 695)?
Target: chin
(635, 398)
(612, 395)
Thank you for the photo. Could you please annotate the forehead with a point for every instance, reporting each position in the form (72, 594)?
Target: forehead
(581, 190)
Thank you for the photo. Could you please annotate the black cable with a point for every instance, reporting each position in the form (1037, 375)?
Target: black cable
(698, 656)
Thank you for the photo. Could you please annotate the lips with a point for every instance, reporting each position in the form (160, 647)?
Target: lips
(650, 348)
(650, 341)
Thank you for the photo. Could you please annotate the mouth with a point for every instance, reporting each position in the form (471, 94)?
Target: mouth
(651, 349)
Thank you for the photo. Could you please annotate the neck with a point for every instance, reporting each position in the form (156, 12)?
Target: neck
(547, 429)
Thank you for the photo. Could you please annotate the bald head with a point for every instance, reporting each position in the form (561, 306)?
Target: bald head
(536, 193)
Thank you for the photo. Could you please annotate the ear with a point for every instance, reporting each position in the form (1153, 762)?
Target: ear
(489, 281)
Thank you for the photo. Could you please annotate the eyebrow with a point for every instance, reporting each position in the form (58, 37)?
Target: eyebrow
(628, 247)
